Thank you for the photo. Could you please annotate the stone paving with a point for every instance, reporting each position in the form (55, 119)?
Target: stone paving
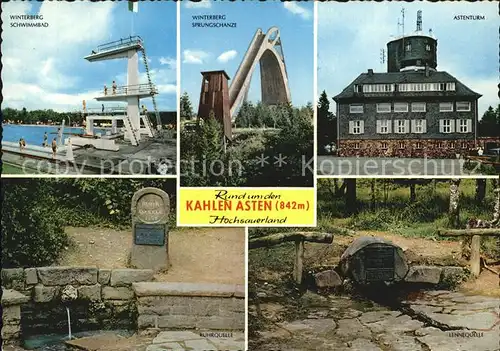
(436, 321)
(188, 340)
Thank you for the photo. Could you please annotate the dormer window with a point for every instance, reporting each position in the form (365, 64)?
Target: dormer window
(408, 47)
(428, 47)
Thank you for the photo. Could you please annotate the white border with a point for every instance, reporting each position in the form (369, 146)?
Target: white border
(315, 112)
(246, 288)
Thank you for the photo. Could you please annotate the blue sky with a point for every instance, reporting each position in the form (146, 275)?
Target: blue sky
(205, 49)
(44, 67)
(350, 36)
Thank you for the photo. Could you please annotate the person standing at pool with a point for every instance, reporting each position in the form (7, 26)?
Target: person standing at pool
(114, 88)
(45, 140)
(102, 110)
(105, 90)
(54, 147)
(144, 110)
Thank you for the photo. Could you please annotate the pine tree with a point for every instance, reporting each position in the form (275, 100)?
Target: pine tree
(186, 108)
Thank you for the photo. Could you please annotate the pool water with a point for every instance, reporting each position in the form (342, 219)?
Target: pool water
(56, 342)
(33, 135)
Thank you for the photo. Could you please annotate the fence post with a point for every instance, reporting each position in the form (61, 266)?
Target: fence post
(298, 265)
(475, 255)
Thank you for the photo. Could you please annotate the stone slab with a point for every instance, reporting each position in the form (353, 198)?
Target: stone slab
(174, 346)
(12, 297)
(44, 293)
(327, 279)
(125, 277)
(117, 293)
(104, 276)
(51, 276)
(31, 276)
(185, 289)
(89, 292)
(424, 274)
(149, 257)
(174, 336)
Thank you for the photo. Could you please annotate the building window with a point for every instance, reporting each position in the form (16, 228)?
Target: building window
(378, 88)
(440, 145)
(452, 145)
(358, 88)
(446, 126)
(450, 86)
(442, 86)
(400, 107)
(464, 125)
(400, 126)
(464, 145)
(418, 145)
(418, 126)
(356, 108)
(428, 47)
(384, 145)
(463, 106)
(418, 107)
(384, 107)
(356, 145)
(408, 47)
(384, 126)
(356, 127)
(446, 107)
(401, 145)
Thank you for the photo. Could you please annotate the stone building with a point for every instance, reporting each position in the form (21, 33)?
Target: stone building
(412, 110)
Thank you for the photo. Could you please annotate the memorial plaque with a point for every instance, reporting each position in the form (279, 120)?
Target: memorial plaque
(150, 210)
(379, 263)
(370, 259)
(149, 234)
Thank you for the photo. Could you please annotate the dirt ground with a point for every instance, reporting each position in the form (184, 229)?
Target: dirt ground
(419, 251)
(211, 255)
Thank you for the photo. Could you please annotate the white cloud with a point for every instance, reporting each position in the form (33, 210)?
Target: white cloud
(170, 61)
(167, 88)
(203, 4)
(227, 56)
(194, 56)
(38, 60)
(296, 9)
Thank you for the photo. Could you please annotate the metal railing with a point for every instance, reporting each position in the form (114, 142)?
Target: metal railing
(107, 109)
(130, 90)
(124, 42)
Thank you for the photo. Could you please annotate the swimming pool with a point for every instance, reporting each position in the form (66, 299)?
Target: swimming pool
(33, 135)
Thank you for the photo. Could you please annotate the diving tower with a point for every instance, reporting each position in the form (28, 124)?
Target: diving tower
(132, 49)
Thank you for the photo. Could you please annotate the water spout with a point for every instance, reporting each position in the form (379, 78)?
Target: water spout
(69, 323)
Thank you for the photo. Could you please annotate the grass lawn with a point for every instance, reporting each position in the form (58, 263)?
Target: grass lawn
(8, 168)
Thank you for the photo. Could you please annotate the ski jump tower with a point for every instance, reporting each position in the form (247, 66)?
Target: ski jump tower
(129, 48)
(265, 49)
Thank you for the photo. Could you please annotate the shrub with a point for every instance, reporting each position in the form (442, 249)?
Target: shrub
(32, 232)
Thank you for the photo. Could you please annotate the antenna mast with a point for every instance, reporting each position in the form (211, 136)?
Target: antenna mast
(419, 21)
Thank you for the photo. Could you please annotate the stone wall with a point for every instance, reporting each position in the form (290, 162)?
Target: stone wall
(189, 306)
(430, 148)
(104, 297)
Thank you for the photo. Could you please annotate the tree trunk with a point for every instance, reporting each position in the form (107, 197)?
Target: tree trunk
(496, 210)
(413, 195)
(351, 195)
(275, 239)
(454, 210)
(336, 185)
(480, 190)
(372, 197)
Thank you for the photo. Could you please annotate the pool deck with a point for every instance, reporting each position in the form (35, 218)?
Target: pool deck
(128, 160)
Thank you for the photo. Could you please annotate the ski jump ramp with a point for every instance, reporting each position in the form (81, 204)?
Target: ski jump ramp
(265, 49)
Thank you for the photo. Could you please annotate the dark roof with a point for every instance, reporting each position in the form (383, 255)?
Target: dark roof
(211, 72)
(407, 77)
